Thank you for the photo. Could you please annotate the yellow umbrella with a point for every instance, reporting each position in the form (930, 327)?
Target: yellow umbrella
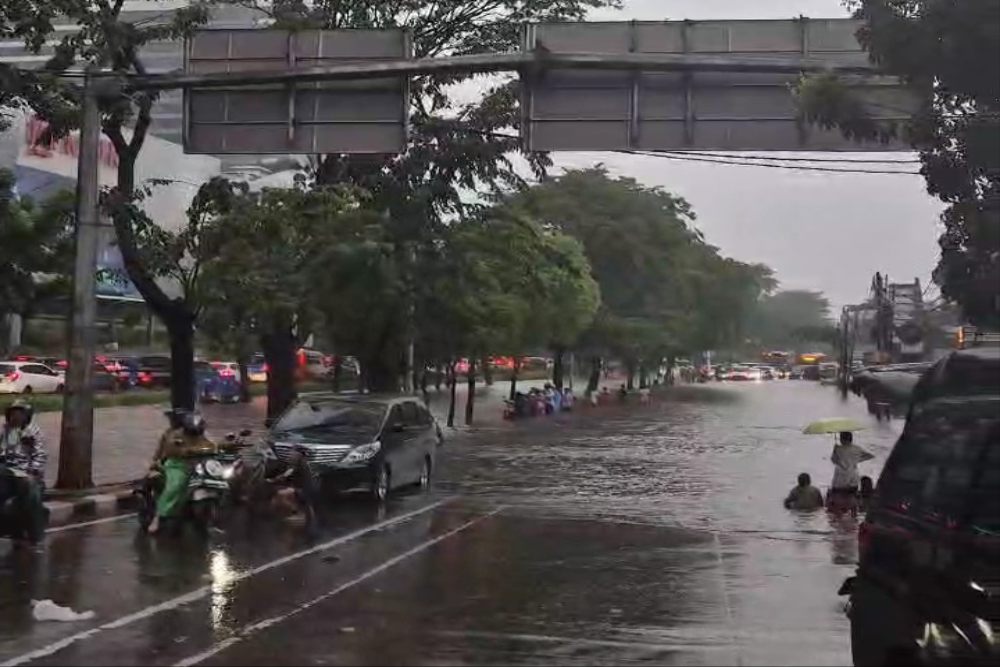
(833, 425)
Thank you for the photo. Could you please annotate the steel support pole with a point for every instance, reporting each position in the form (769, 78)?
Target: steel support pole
(76, 438)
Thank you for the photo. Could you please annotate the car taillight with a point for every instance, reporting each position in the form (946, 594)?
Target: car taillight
(145, 377)
(13, 376)
(226, 373)
(864, 538)
(266, 368)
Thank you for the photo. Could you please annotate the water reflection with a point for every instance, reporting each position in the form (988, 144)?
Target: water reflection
(223, 579)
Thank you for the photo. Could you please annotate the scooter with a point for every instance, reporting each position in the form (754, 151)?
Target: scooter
(208, 496)
(14, 523)
(262, 482)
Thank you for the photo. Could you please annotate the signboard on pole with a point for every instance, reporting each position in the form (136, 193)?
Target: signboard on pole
(364, 116)
(598, 109)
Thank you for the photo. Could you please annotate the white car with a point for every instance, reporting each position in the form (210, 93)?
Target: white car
(28, 377)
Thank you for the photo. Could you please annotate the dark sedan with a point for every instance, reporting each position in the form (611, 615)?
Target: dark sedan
(367, 443)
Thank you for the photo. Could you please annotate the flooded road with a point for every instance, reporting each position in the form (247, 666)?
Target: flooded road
(623, 535)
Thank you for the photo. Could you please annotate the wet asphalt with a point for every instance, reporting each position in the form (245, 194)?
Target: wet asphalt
(622, 535)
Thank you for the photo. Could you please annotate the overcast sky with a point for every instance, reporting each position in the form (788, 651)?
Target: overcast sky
(827, 232)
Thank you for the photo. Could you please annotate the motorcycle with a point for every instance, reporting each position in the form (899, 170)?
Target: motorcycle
(14, 523)
(263, 483)
(208, 495)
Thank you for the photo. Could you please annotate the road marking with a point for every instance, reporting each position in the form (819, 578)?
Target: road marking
(251, 629)
(205, 591)
(71, 526)
(726, 601)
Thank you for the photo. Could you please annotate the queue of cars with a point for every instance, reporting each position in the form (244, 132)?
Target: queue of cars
(27, 374)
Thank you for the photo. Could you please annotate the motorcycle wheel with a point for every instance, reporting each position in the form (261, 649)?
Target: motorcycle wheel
(204, 515)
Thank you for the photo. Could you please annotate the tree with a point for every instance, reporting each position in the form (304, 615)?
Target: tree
(104, 39)
(657, 276)
(36, 251)
(787, 317)
(453, 148)
(948, 53)
(269, 255)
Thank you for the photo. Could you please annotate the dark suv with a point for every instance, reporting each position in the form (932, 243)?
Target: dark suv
(370, 443)
(927, 589)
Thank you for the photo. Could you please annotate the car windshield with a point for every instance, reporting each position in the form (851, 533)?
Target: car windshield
(331, 419)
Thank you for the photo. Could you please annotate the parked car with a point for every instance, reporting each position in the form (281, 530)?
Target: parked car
(102, 380)
(744, 373)
(153, 371)
(368, 443)
(227, 369)
(927, 588)
(257, 369)
(26, 377)
(311, 365)
(215, 385)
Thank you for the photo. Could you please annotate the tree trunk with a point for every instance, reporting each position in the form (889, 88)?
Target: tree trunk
(630, 381)
(338, 372)
(452, 390)
(487, 371)
(279, 351)
(595, 375)
(182, 379)
(423, 386)
(557, 366)
(514, 376)
(438, 374)
(643, 376)
(470, 400)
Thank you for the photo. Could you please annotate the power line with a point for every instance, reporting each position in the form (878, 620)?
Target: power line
(685, 157)
(775, 158)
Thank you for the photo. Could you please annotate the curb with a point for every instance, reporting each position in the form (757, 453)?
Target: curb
(88, 507)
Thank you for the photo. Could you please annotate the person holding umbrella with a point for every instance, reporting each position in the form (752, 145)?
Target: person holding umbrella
(843, 494)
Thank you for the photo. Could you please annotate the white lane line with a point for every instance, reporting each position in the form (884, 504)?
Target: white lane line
(205, 591)
(71, 526)
(249, 630)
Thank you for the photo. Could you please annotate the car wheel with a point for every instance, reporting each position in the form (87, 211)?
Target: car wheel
(380, 485)
(425, 474)
(27, 390)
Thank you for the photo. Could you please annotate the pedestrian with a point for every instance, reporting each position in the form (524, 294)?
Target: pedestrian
(622, 393)
(605, 397)
(804, 496)
(567, 399)
(866, 490)
(843, 494)
(22, 449)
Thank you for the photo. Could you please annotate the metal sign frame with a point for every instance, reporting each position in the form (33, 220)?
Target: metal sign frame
(295, 117)
(692, 110)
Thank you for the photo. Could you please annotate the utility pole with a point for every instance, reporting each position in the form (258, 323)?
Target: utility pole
(77, 436)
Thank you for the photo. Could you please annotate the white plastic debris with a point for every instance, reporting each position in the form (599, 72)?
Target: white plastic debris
(47, 610)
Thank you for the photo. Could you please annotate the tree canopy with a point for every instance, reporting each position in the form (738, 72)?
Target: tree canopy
(949, 55)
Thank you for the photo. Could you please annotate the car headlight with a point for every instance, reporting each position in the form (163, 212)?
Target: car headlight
(229, 472)
(363, 453)
(214, 468)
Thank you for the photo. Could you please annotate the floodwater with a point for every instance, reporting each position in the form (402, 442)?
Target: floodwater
(616, 536)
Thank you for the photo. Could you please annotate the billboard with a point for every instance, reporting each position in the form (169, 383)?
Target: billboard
(365, 116)
(597, 109)
(44, 167)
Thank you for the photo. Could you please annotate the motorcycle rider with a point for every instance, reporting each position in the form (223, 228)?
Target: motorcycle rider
(22, 448)
(184, 438)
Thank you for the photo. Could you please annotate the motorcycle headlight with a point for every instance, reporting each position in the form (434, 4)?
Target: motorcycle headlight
(363, 453)
(214, 468)
(199, 469)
